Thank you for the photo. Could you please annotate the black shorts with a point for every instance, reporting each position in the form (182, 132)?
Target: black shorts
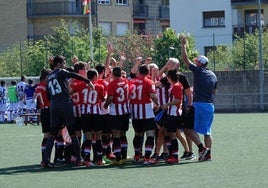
(91, 122)
(188, 119)
(142, 125)
(105, 122)
(120, 122)
(45, 120)
(78, 124)
(172, 123)
(60, 116)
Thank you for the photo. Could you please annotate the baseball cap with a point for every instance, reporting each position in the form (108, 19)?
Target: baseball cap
(202, 59)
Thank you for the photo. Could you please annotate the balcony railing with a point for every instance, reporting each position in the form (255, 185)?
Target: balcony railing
(140, 11)
(164, 11)
(241, 29)
(247, 2)
(56, 9)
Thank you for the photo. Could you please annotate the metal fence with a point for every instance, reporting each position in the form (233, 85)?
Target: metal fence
(241, 102)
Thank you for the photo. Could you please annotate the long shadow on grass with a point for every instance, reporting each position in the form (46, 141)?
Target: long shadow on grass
(38, 169)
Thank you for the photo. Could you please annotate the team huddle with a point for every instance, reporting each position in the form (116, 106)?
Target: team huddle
(86, 112)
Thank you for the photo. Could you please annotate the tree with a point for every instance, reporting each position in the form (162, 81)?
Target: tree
(167, 45)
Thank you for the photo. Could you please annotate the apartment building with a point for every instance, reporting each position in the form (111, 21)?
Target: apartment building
(32, 19)
(216, 22)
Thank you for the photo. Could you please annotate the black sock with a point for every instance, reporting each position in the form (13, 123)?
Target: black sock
(149, 145)
(124, 146)
(105, 144)
(49, 146)
(137, 143)
(200, 146)
(175, 148)
(86, 149)
(99, 149)
(117, 148)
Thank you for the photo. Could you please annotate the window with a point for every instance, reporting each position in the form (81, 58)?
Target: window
(121, 29)
(214, 19)
(139, 28)
(251, 17)
(121, 2)
(107, 28)
(105, 2)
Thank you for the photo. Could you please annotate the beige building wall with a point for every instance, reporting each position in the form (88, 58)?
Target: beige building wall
(116, 14)
(13, 22)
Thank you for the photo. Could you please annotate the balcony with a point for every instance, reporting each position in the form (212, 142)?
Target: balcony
(247, 2)
(164, 12)
(140, 11)
(65, 8)
(241, 29)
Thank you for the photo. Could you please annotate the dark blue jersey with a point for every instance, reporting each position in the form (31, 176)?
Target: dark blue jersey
(205, 82)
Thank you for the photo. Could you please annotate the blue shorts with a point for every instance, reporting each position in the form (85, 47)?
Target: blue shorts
(203, 117)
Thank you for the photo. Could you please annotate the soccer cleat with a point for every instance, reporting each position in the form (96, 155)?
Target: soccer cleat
(203, 153)
(48, 165)
(111, 156)
(59, 161)
(190, 156)
(185, 154)
(172, 160)
(164, 156)
(100, 163)
(106, 160)
(155, 156)
(79, 163)
(208, 156)
(88, 164)
(137, 158)
(149, 161)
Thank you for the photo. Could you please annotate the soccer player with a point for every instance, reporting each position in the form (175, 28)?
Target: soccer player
(29, 92)
(61, 107)
(13, 101)
(142, 95)
(43, 102)
(185, 119)
(20, 89)
(80, 68)
(118, 99)
(105, 118)
(90, 115)
(174, 110)
(3, 101)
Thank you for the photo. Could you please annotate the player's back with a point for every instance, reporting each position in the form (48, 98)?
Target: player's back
(57, 86)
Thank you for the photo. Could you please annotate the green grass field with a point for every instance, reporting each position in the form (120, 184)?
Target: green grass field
(240, 159)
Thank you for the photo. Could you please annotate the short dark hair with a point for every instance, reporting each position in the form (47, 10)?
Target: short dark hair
(117, 71)
(22, 78)
(144, 69)
(3, 82)
(100, 68)
(44, 73)
(91, 73)
(13, 82)
(58, 59)
(79, 66)
(173, 75)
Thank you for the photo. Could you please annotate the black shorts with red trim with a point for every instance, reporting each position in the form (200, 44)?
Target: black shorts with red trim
(120, 122)
(91, 122)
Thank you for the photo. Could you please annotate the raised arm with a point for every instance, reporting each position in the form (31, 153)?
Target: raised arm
(184, 54)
